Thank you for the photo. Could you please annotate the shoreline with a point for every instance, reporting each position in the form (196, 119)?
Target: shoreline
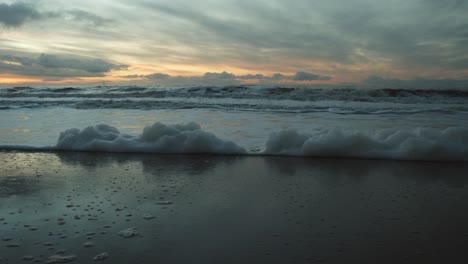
(51, 150)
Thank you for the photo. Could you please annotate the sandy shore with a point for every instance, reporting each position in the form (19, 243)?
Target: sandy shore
(212, 209)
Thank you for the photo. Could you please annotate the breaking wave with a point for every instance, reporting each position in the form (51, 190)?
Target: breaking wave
(312, 93)
(450, 144)
(332, 99)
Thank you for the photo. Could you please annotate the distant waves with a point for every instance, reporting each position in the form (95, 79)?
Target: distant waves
(331, 99)
(313, 93)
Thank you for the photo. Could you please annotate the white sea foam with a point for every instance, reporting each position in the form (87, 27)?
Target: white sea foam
(417, 144)
(158, 138)
(449, 144)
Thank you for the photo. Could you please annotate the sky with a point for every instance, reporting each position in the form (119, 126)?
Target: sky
(234, 41)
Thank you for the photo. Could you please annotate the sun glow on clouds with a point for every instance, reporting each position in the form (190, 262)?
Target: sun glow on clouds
(7, 79)
(336, 41)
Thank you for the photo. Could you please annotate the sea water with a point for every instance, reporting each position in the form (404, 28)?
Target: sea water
(330, 121)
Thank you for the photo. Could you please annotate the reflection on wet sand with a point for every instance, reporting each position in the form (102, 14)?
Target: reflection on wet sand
(185, 209)
(330, 171)
(151, 163)
(18, 186)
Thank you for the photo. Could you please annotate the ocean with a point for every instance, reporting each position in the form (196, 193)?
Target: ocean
(319, 121)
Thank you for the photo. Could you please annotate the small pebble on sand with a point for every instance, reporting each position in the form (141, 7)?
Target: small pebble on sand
(129, 232)
(101, 257)
(61, 259)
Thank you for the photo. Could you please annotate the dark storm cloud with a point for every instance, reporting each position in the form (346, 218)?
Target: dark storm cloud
(16, 14)
(62, 66)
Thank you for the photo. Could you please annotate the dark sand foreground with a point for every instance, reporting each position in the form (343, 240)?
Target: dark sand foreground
(212, 209)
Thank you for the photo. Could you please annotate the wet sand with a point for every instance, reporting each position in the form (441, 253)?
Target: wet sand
(222, 209)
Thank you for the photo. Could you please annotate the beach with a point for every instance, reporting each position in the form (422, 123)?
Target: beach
(229, 209)
(280, 132)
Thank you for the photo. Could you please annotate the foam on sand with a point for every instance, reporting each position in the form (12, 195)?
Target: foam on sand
(101, 257)
(158, 138)
(61, 259)
(449, 144)
(417, 144)
(128, 233)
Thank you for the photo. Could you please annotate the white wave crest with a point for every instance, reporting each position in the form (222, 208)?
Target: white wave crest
(417, 144)
(158, 138)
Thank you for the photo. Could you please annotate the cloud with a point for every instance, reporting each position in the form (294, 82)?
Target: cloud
(207, 78)
(419, 83)
(88, 65)
(307, 76)
(49, 66)
(132, 76)
(251, 77)
(227, 78)
(421, 36)
(271, 30)
(218, 76)
(19, 60)
(278, 76)
(78, 15)
(16, 14)
(348, 41)
(157, 76)
(418, 35)
(153, 76)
